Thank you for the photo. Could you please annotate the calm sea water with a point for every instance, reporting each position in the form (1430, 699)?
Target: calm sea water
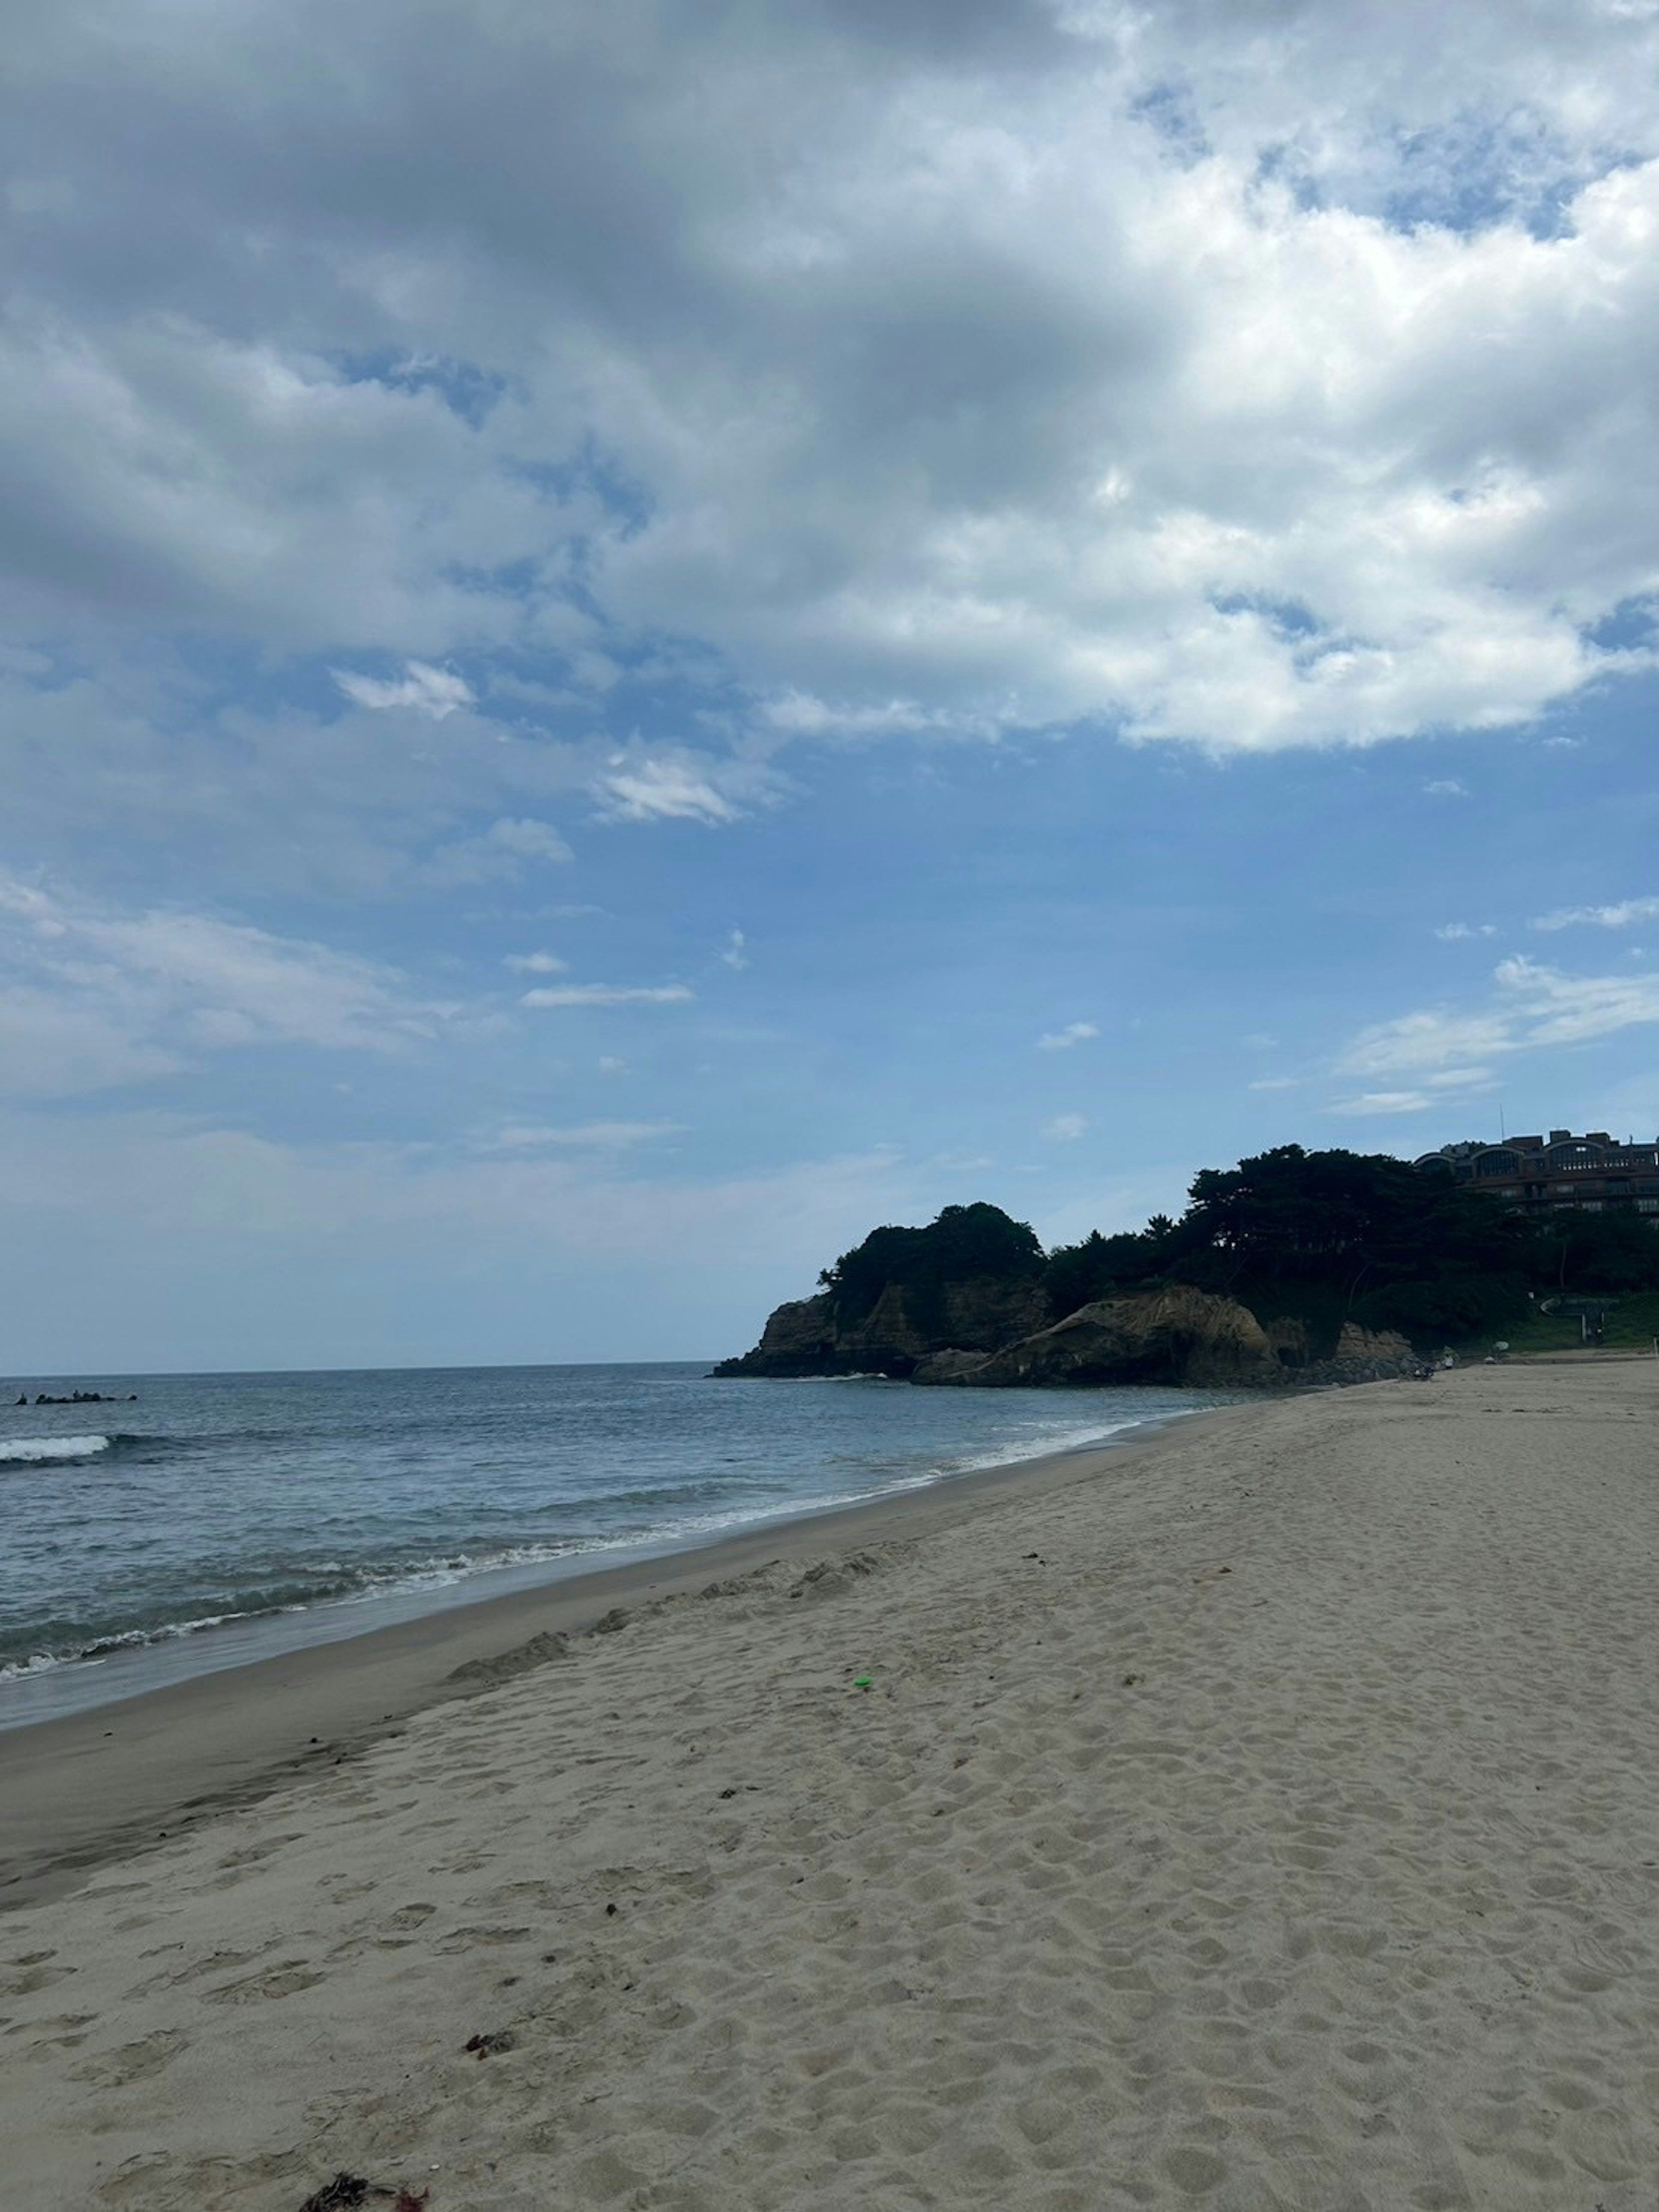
(221, 1517)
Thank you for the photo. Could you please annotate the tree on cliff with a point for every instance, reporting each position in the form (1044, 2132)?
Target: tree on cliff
(1319, 1236)
(1332, 1234)
(963, 1242)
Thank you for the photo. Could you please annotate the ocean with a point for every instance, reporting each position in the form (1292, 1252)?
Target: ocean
(198, 1522)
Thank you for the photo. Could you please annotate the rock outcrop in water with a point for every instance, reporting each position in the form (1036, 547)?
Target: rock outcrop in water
(808, 1337)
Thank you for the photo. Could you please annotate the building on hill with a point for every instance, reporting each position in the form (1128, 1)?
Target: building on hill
(1595, 1173)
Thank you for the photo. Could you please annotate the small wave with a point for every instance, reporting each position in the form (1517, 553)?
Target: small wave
(33, 1449)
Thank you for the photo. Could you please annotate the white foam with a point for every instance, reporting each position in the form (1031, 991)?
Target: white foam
(47, 1448)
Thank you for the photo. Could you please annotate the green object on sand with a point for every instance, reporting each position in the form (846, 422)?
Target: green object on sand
(861, 1681)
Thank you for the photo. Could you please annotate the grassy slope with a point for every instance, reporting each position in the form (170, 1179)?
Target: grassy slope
(1633, 1324)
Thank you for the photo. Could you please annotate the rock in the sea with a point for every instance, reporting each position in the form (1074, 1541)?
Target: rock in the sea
(1176, 1336)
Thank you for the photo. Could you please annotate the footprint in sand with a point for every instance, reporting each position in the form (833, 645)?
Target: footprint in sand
(134, 2061)
(283, 1980)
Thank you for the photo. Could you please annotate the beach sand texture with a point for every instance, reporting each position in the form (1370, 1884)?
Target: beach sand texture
(1284, 1833)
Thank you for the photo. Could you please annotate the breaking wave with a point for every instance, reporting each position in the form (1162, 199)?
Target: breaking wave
(33, 1449)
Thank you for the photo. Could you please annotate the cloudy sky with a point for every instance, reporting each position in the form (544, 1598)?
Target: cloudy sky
(635, 637)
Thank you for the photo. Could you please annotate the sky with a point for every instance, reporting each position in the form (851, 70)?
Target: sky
(633, 638)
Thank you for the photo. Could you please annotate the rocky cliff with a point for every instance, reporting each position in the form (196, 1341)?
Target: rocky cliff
(986, 1334)
(809, 1337)
(1176, 1336)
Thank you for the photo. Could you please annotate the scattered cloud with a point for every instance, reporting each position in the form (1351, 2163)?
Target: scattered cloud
(1553, 1008)
(734, 955)
(1455, 932)
(1386, 1102)
(91, 996)
(1446, 787)
(799, 714)
(1065, 1128)
(1275, 1083)
(1460, 1078)
(608, 1064)
(528, 840)
(602, 1136)
(1063, 1040)
(429, 690)
(501, 851)
(536, 964)
(1622, 915)
(663, 790)
(1532, 1006)
(606, 995)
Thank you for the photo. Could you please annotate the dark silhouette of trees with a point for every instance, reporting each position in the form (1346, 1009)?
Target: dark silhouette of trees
(964, 1242)
(1323, 1236)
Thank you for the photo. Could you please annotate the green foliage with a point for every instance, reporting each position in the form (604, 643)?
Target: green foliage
(1320, 1236)
(1077, 1274)
(963, 1241)
(1615, 1251)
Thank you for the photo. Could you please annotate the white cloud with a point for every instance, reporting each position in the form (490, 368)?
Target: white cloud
(606, 995)
(588, 1136)
(434, 691)
(1622, 915)
(1274, 1083)
(92, 998)
(1235, 375)
(1385, 1102)
(799, 715)
(1553, 1008)
(501, 851)
(663, 790)
(1455, 932)
(1065, 1128)
(1063, 1040)
(1446, 787)
(528, 840)
(1533, 1006)
(608, 1064)
(1460, 1078)
(536, 964)
(734, 955)
(1431, 1039)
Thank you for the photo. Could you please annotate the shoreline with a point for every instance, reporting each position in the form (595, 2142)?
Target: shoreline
(209, 1631)
(1262, 1814)
(173, 1756)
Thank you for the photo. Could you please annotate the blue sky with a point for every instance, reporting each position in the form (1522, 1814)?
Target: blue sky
(633, 641)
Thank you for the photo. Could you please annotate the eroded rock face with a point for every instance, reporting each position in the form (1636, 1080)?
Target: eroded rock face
(1178, 1335)
(990, 1333)
(1363, 1355)
(798, 1339)
(973, 1316)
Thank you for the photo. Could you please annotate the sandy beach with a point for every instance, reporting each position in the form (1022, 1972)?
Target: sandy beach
(1263, 1818)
